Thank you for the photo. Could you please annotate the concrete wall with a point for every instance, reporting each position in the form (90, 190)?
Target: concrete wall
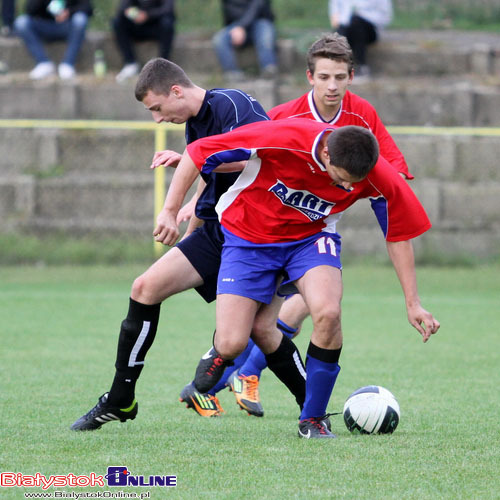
(60, 183)
(99, 181)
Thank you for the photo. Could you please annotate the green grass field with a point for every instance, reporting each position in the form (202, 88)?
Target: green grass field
(59, 330)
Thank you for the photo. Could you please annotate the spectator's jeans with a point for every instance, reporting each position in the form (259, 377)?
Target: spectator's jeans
(261, 34)
(126, 32)
(359, 33)
(34, 30)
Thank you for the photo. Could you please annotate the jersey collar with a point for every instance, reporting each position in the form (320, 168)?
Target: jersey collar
(316, 113)
(314, 151)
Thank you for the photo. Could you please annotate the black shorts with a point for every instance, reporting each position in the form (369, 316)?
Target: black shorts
(203, 248)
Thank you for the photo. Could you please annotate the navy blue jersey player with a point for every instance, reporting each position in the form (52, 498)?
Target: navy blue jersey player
(165, 89)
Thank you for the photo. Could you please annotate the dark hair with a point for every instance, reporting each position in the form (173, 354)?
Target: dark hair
(158, 75)
(331, 46)
(353, 148)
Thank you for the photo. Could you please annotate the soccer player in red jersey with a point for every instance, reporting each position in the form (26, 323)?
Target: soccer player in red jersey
(330, 71)
(279, 218)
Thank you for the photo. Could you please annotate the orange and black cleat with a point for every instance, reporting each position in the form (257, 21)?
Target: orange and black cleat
(205, 405)
(246, 391)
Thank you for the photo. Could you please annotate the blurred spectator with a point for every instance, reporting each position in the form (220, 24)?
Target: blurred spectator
(247, 22)
(8, 15)
(361, 22)
(50, 20)
(142, 20)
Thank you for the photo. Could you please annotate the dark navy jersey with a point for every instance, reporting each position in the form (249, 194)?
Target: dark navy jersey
(222, 111)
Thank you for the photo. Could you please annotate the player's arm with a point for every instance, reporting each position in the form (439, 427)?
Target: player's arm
(188, 211)
(166, 230)
(402, 257)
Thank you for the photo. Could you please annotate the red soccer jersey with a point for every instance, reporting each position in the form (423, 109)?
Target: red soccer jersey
(354, 110)
(285, 194)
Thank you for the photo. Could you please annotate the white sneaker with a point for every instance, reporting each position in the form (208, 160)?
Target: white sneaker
(66, 71)
(42, 70)
(128, 71)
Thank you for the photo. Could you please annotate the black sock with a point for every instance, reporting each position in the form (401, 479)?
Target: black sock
(287, 365)
(137, 334)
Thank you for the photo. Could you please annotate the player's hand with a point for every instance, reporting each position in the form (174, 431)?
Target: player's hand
(423, 321)
(166, 158)
(187, 211)
(238, 36)
(166, 230)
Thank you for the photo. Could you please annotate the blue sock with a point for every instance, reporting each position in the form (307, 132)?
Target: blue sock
(256, 362)
(286, 329)
(238, 362)
(322, 369)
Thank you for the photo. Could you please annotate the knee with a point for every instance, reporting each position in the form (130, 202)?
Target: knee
(79, 20)
(328, 318)
(143, 291)
(267, 34)
(229, 348)
(22, 23)
(221, 38)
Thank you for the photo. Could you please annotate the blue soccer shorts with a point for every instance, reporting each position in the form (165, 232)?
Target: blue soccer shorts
(254, 270)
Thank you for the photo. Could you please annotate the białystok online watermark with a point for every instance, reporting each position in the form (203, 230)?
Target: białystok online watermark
(88, 494)
(117, 476)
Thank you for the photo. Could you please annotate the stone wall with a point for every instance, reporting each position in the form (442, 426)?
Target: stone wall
(88, 181)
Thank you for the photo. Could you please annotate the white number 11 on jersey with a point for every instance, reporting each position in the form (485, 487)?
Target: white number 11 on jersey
(325, 242)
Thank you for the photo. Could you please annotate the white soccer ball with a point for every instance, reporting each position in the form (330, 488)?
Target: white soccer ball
(371, 410)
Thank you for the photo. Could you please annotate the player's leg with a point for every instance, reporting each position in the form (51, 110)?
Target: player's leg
(292, 313)
(281, 354)
(247, 277)
(169, 275)
(321, 288)
(314, 267)
(244, 382)
(234, 319)
(207, 404)
(246, 387)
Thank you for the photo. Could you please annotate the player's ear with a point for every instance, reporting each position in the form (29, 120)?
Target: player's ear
(326, 153)
(176, 90)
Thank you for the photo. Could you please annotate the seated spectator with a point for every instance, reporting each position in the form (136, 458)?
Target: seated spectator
(138, 20)
(8, 15)
(247, 22)
(51, 20)
(361, 22)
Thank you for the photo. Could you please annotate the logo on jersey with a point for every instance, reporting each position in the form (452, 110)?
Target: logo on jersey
(309, 204)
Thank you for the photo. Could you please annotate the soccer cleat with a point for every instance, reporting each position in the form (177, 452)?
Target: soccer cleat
(209, 370)
(246, 391)
(205, 405)
(102, 413)
(314, 428)
(325, 420)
